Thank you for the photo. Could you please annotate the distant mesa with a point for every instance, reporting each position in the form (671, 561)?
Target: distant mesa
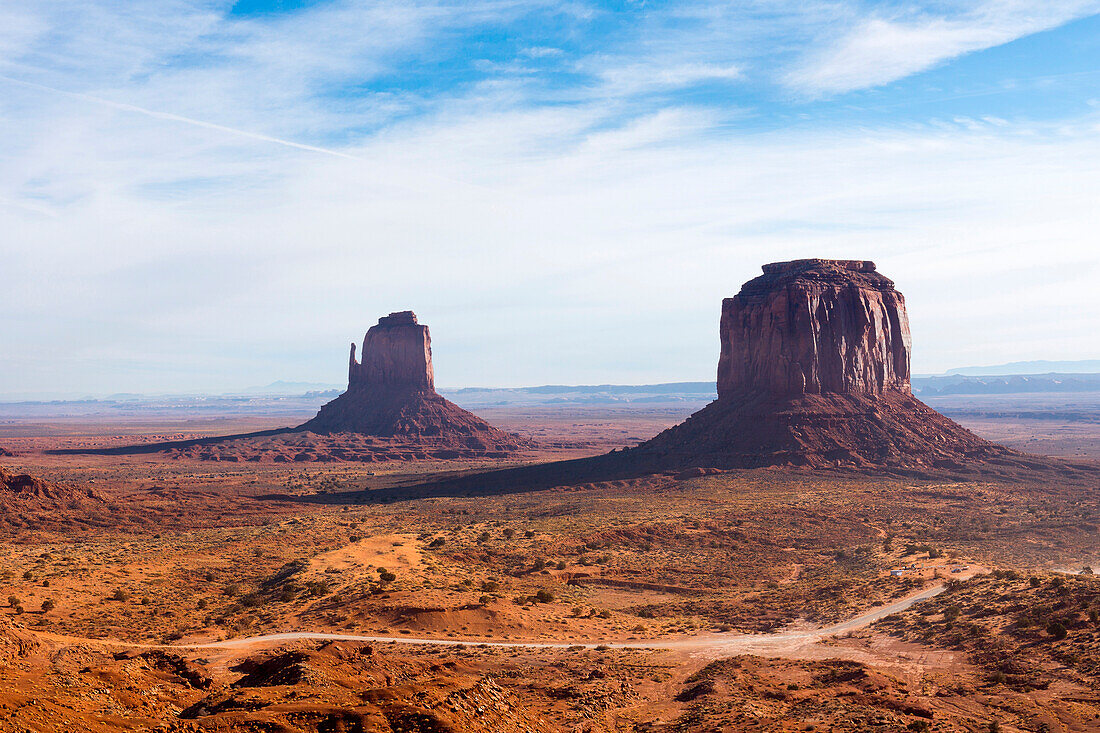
(814, 371)
(389, 412)
(814, 374)
(392, 394)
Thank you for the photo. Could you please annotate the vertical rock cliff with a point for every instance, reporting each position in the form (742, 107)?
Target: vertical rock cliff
(814, 327)
(814, 370)
(391, 394)
(397, 355)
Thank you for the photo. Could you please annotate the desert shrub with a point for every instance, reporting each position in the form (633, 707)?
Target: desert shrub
(1034, 582)
(120, 595)
(509, 533)
(529, 534)
(605, 614)
(13, 601)
(232, 589)
(544, 596)
(48, 605)
(251, 600)
(1056, 630)
(490, 586)
(539, 565)
(386, 576)
(561, 565)
(28, 575)
(483, 538)
(436, 543)
(484, 600)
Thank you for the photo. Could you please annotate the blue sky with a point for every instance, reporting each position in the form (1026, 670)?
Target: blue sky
(206, 196)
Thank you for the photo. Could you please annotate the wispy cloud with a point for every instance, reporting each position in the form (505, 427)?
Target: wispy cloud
(178, 118)
(238, 195)
(886, 46)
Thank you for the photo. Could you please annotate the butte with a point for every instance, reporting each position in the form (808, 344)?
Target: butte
(813, 375)
(391, 394)
(390, 411)
(814, 371)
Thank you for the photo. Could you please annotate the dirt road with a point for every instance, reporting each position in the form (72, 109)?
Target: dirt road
(710, 644)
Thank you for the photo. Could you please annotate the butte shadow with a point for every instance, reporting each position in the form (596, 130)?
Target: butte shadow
(813, 375)
(390, 411)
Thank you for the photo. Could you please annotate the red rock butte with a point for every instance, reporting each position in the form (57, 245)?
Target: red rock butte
(814, 370)
(391, 394)
(814, 327)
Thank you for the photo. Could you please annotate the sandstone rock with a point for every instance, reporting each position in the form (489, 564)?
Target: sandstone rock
(397, 354)
(815, 327)
(814, 371)
(391, 394)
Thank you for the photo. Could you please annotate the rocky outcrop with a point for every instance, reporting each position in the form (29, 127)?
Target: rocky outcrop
(29, 503)
(391, 394)
(390, 412)
(397, 355)
(814, 371)
(815, 327)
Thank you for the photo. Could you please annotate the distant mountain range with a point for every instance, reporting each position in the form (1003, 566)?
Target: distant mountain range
(1086, 366)
(1015, 377)
(960, 384)
(291, 388)
(593, 394)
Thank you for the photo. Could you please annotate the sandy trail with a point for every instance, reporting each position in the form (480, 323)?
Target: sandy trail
(711, 644)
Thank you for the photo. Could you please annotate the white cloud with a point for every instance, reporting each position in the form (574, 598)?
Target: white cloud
(880, 49)
(661, 74)
(580, 242)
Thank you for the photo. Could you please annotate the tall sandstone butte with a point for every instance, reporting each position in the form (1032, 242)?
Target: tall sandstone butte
(814, 371)
(397, 355)
(391, 394)
(813, 327)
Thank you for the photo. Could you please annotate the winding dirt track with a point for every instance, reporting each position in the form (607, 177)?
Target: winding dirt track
(711, 643)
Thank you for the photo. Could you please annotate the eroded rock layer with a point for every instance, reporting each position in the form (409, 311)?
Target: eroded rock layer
(813, 327)
(30, 503)
(391, 395)
(814, 371)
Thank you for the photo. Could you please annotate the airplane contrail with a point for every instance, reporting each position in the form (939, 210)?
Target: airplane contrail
(179, 118)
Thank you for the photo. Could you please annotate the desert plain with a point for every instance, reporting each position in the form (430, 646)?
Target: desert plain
(164, 592)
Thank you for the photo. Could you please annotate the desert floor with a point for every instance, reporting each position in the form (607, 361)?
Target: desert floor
(145, 592)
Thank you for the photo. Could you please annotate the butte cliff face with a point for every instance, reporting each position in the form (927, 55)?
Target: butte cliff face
(397, 355)
(814, 371)
(815, 327)
(391, 394)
